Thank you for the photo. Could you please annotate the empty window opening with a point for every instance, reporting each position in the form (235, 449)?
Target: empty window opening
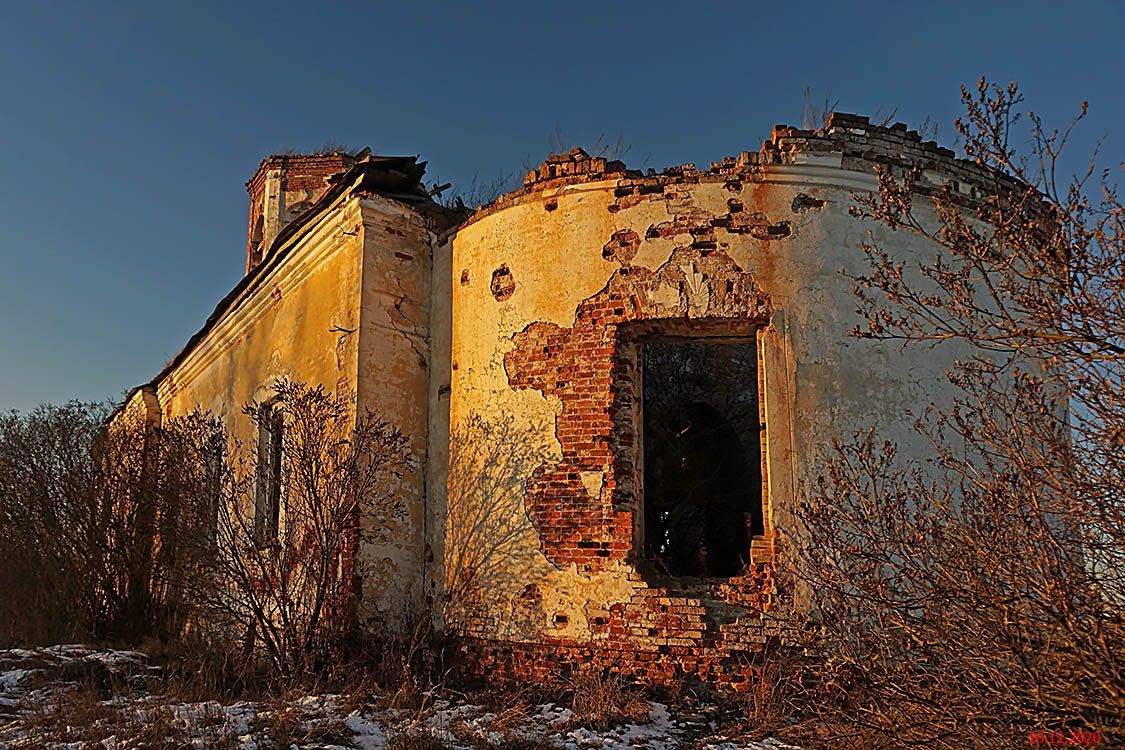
(256, 238)
(702, 433)
(267, 498)
(213, 463)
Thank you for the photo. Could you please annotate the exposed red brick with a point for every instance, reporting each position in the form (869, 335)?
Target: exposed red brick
(503, 284)
(664, 632)
(622, 246)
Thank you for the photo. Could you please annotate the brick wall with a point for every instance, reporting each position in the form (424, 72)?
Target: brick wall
(663, 635)
(302, 178)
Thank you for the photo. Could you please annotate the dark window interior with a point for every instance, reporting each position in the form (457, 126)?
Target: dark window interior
(702, 456)
(213, 485)
(267, 511)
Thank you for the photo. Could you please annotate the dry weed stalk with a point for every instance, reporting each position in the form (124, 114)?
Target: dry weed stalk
(602, 697)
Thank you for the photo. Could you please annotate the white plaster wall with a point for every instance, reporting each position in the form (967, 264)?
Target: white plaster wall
(393, 376)
(839, 384)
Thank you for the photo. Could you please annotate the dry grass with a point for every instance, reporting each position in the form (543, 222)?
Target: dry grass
(283, 723)
(511, 716)
(602, 698)
(361, 694)
(776, 696)
(408, 696)
(77, 715)
(330, 731)
(404, 686)
(280, 724)
(215, 728)
(524, 743)
(512, 708)
(384, 674)
(414, 741)
(197, 669)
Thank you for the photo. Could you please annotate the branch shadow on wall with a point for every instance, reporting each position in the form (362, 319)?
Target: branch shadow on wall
(492, 550)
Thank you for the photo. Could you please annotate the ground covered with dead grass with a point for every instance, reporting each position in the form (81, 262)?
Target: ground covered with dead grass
(78, 697)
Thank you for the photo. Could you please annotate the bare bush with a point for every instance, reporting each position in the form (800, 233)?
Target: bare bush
(162, 507)
(282, 572)
(775, 701)
(977, 597)
(48, 514)
(129, 530)
(82, 506)
(94, 514)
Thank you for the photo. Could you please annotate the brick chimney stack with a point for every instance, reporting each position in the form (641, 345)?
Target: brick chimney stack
(284, 186)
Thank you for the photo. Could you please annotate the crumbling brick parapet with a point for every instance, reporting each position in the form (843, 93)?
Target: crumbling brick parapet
(575, 163)
(849, 142)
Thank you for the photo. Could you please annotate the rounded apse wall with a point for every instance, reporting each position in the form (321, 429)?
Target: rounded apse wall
(555, 290)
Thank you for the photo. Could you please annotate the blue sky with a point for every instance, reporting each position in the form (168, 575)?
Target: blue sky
(128, 130)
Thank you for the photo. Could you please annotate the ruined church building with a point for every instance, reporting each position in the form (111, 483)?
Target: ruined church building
(614, 382)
